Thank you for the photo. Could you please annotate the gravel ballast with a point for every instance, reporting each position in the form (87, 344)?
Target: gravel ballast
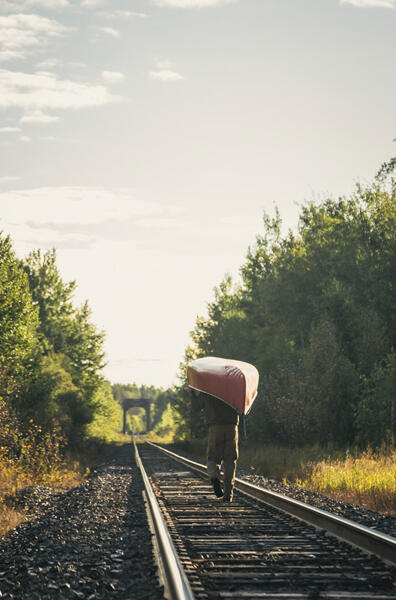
(92, 542)
(379, 522)
(384, 523)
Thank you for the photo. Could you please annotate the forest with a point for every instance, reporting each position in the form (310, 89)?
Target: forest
(58, 413)
(51, 354)
(315, 312)
(52, 390)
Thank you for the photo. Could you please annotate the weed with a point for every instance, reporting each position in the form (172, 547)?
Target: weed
(367, 478)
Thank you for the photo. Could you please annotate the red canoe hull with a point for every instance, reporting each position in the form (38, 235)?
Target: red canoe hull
(233, 381)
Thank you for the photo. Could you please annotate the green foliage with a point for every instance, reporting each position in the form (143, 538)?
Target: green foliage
(51, 355)
(28, 447)
(376, 411)
(9, 431)
(316, 313)
(53, 298)
(165, 427)
(19, 348)
(107, 420)
(65, 329)
(63, 388)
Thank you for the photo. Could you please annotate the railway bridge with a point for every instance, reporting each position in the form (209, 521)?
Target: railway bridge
(145, 403)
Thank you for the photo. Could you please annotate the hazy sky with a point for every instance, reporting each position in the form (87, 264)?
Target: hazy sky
(144, 138)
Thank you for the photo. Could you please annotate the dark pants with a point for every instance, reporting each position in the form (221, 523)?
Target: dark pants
(223, 448)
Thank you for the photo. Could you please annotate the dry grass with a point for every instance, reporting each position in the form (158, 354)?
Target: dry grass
(151, 436)
(367, 478)
(9, 519)
(31, 456)
(14, 478)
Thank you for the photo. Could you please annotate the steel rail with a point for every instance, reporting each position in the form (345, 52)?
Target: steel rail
(369, 540)
(175, 580)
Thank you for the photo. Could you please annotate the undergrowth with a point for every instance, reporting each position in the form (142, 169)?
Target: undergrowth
(30, 456)
(367, 478)
(36, 463)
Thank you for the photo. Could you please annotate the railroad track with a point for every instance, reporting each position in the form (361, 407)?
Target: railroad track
(251, 549)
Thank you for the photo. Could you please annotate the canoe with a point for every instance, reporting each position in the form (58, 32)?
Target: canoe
(233, 381)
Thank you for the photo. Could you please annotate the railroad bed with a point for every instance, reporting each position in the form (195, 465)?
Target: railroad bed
(90, 543)
(250, 550)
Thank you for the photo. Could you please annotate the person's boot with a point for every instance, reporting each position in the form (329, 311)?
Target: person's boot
(228, 492)
(217, 487)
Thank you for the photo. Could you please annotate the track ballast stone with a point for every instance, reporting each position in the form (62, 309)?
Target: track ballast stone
(92, 542)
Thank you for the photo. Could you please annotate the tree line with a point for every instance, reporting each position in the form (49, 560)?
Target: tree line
(51, 354)
(315, 311)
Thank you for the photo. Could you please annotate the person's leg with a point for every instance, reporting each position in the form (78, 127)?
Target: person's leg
(230, 460)
(214, 460)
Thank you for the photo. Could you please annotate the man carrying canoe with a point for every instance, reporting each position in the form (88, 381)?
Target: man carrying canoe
(224, 388)
(222, 422)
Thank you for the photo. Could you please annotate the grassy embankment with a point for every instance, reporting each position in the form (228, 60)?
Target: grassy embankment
(34, 468)
(366, 478)
(16, 476)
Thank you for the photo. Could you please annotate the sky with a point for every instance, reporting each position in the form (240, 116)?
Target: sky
(144, 139)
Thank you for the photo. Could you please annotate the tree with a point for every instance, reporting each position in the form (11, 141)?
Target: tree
(72, 349)
(19, 347)
(316, 313)
(376, 411)
(53, 298)
(65, 329)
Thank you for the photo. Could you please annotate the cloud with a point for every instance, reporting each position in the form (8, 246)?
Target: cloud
(25, 138)
(8, 179)
(164, 72)
(37, 116)
(165, 75)
(46, 90)
(73, 243)
(164, 64)
(20, 34)
(50, 63)
(9, 129)
(92, 3)
(76, 64)
(110, 31)
(193, 3)
(121, 14)
(12, 5)
(113, 76)
(71, 217)
(371, 3)
(51, 4)
(54, 63)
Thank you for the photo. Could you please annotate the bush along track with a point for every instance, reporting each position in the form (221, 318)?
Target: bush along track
(92, 542)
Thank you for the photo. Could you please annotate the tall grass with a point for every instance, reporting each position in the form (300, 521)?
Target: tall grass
(33, 458)
(367, 478)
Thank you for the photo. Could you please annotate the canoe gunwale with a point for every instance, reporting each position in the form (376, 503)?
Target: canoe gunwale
(225, 401)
